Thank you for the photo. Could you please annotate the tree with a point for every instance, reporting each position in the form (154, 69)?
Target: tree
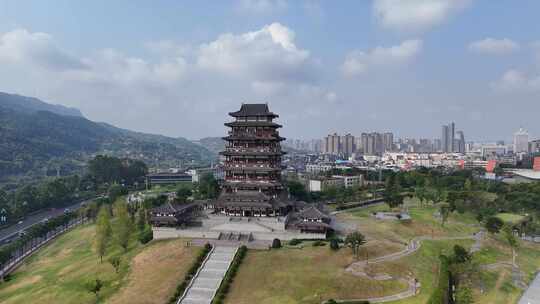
(297, 190)
(208, 186)
(508, 232)
(115, 262)
(392, 192)
(95, 287)
(115, 191)
(103, 231)
(444, 209)
(420, 194)
(355, 240)
(141, 219)
(146, 235)
(183, 193)
(461, 255)
(464, 295)
(276, 243)
(123, 225)
(334, 244)
(467, 185)
(494, 224)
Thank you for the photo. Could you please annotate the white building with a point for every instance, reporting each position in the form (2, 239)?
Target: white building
(318, 168)
(521, 141)
(351, 181)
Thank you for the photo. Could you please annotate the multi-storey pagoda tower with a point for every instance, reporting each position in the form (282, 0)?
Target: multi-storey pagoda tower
(252, 185)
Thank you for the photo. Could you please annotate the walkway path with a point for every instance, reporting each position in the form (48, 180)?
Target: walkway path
(357, 268)
(207, 280)
(532, 294)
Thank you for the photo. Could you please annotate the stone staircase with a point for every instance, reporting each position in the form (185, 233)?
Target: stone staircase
(209, 277)
(235, 237)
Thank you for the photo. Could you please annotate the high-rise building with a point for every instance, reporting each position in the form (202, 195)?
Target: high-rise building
(347, 145)
(521, 141)
(388, 141)
(373, 143)
(331, 144)
(437, 144)
(365, 143)
(534, 146)
(447, 139)
(460, 147)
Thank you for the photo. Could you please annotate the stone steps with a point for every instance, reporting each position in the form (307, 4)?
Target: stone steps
(209, 278)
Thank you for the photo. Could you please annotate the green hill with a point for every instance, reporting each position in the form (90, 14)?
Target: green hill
(35, 143)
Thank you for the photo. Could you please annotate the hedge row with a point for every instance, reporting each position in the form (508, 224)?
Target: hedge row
(441, 292)
(229, 276)
(189, 275)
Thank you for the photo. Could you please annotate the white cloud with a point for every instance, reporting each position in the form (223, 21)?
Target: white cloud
(358, 62)
(514, 80)
(269, 54)
(494, 46)
(174, 82)
(262, 6)
(415, 15)
(21, 46)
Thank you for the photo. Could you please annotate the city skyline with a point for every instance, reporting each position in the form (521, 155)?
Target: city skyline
(360, 67)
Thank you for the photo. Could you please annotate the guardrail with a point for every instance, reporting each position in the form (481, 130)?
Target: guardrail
(12, 265)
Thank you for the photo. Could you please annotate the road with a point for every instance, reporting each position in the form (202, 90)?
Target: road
(12, 232)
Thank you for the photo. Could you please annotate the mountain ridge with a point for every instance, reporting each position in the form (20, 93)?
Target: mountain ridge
(35, 142)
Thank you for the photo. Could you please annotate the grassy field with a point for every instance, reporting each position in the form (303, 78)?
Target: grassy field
(423, 265)
(59, 273)
(302, 276)
(497, 284)
(510, 217)
(424, 223)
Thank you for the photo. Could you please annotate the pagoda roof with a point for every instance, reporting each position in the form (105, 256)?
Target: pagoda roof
(253, 109)
(174, 208)
(312, 212)
(252, 124)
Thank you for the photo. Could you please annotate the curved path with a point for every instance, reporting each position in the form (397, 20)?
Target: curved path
(357, 268)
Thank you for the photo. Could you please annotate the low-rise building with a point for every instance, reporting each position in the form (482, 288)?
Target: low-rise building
(354, 181)
(166, 178)
(321, 184)
(319, 168)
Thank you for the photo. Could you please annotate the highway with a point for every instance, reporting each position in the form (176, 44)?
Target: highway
(12, 232)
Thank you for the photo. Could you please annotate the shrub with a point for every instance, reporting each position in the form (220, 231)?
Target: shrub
(442, 290)
(146, 235)
(229, 276)
(334, 244)
(276, 243)
(294, 242)
(319, 243)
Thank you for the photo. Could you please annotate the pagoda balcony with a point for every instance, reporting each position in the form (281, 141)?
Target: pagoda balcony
(264, 168)
(251, 151)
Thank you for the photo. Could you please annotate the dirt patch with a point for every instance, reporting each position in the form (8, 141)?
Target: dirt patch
(155, 273)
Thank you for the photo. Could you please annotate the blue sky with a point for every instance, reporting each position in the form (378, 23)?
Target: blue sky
(177, 67)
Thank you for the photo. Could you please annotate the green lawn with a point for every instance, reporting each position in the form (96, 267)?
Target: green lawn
(510, 217)
(302, 276)
(422, 265)
(59, 272)
(424, 223)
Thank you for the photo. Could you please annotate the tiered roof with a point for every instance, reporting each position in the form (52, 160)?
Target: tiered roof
(253, 109)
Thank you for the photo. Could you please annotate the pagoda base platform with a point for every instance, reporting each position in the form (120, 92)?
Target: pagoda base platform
(215, 226)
